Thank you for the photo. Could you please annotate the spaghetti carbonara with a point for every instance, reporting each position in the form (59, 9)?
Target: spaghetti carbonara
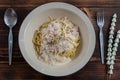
(56, 41)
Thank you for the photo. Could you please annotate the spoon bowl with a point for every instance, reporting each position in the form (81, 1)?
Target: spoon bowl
(10, 19)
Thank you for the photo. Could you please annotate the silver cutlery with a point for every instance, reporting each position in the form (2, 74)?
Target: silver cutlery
(100, 23)
(10, 19)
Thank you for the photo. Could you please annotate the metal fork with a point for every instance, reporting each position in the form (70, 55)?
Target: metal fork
(100, 23)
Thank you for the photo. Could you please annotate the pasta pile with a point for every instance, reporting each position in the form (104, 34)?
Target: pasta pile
(56, 41)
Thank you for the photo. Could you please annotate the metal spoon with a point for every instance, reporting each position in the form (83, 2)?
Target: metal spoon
(10, 19)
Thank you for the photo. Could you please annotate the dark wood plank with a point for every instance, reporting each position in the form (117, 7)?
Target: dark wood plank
(78, 3)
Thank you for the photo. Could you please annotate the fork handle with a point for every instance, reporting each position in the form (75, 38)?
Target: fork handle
(10, 45)
(101, 45)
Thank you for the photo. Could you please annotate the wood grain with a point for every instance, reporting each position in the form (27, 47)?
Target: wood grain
(20, 70)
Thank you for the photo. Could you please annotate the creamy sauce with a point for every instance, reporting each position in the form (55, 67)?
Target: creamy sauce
(56, 39)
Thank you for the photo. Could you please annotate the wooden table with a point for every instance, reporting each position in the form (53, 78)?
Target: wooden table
(20, 70)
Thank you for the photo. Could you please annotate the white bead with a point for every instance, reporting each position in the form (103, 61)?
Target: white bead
(110, 41)
(111, 36)
(118, 36)
(114, 20)
(109, 54)
(112, 62)
(115, 15)
(109, 49)
(114, 53)
(111, 67)
(112, 28)
(113, 24)
(108, 62)
(111, 32)
(117, 40)
(108, 58)
(118, 31)
(113, 57)
(115, 44)
(109, 45)
(110, 71)
(114, 48)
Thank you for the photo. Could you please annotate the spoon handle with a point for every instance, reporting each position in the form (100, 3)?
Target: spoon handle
(10, 45)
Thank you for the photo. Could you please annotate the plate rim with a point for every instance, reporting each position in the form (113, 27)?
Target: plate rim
(66, 6)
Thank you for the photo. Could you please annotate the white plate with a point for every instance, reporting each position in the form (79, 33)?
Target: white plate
(40, 15)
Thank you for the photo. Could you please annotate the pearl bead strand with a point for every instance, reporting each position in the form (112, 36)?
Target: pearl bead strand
(110, 41)
(113, 54)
